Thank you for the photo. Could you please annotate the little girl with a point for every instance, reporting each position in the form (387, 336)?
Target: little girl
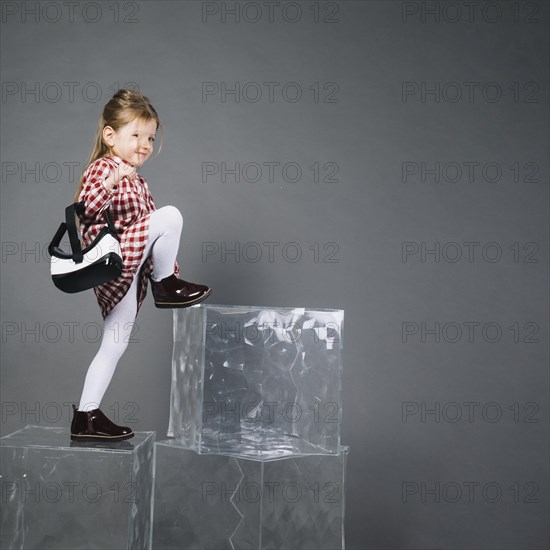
(149, 240)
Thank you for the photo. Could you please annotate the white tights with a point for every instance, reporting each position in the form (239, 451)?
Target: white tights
(165, 225)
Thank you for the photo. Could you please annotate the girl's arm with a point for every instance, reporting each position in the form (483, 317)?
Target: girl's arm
(96, 191)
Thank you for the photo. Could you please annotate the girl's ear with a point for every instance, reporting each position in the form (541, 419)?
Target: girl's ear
(108, 136)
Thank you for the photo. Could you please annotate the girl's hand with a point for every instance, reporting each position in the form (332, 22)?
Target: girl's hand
(123, 170)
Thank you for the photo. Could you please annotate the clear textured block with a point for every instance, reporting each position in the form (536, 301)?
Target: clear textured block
(225, 502)
(257, 381)
(61, 494)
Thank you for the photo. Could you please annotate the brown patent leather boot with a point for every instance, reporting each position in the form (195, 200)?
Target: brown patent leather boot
(172, 292)
(95, 426)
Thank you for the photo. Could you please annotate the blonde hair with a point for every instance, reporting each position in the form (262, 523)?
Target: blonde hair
(124, 107)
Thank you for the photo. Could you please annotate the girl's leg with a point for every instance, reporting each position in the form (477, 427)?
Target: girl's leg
(168, 289)
(165, 225)
(117, 329)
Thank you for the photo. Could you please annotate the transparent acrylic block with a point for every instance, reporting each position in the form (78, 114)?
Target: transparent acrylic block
(225, 502)
(61, 494)
(257, 381)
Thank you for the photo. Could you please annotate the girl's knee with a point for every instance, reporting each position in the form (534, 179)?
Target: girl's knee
(172, 216)
(119, 348)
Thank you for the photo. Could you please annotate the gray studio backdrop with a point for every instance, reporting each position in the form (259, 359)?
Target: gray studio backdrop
(395, 153)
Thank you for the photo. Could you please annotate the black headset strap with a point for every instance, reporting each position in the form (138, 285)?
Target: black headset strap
(73, 235)
(70, 211)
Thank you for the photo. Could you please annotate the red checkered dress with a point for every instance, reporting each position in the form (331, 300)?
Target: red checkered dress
(129, 206)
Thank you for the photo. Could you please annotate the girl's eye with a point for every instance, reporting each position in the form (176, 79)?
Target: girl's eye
(152, 139)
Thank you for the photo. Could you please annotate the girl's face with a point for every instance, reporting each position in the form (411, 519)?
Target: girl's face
(133, 142)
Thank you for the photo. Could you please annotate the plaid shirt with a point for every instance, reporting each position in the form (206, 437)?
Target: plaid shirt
(129, 206)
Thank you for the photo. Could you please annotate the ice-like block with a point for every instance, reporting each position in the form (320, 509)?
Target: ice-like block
(79, 495)
(225, 502)
(257, 381)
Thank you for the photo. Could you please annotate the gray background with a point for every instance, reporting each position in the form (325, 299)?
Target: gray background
(369, 130)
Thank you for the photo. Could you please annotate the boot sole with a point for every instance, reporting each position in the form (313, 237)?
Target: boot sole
(170, 305)
(101, 437)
